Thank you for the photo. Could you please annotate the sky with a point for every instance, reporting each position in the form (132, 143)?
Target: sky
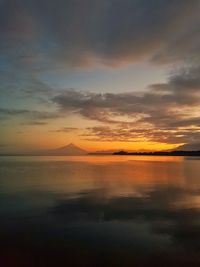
(103, 74)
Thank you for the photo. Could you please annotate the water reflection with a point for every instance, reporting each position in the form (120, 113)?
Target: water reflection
(99, 212)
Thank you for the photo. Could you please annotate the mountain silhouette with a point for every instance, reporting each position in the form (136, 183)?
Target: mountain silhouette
(69, 149)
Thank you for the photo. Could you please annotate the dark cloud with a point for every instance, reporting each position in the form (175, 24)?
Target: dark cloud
(67, 129)
(3, 145)
(36, 36)
(191, 146)
(181, 90)
(30, 116)
(36, 123)
(107, 31)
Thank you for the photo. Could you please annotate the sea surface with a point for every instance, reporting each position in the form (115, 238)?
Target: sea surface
(99, 211)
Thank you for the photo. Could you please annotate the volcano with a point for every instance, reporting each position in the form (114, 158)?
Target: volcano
(70, 150)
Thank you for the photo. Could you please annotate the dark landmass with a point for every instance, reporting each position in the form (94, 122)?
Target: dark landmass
(100, 153)
(68, 150)
(161, 153)
(73, 150)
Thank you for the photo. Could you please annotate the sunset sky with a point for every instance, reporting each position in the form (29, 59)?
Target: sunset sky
(103, 74)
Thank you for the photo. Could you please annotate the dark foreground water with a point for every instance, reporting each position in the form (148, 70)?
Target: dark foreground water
(99, 211)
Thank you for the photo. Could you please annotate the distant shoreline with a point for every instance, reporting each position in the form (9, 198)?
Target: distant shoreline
(117, 153)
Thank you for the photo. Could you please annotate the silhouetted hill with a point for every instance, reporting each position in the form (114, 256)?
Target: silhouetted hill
(161, 153)
(70, 149)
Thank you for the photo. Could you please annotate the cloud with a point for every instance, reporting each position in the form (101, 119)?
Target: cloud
(190, 146)
(75, 33)
(37, 36)
(18, 84)
(67, 129)
(32, 117)
(3, 145)
(167, 112)
(36, 123)
(106, 133)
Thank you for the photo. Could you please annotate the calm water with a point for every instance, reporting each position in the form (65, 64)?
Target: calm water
(99, 211)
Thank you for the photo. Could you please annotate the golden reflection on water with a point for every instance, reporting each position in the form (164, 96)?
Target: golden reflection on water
(96, 158)
(118, 175)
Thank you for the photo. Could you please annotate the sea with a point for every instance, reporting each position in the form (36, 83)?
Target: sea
(99, 211)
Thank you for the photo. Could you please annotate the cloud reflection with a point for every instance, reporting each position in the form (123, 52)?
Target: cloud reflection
(168, 211)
